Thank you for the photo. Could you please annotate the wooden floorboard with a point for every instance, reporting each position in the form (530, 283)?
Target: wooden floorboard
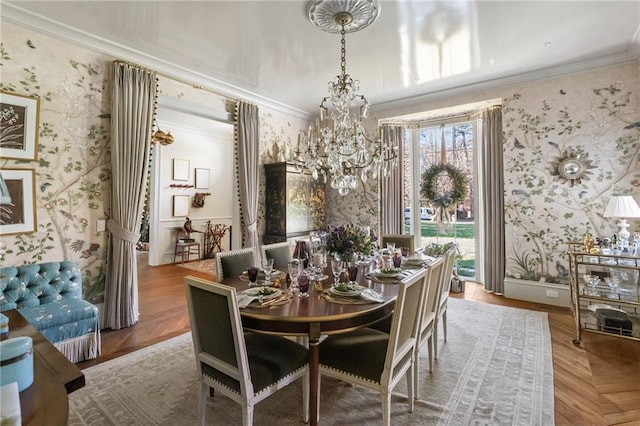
(596, 383)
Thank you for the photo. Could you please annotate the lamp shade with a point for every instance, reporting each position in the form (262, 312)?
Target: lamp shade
(622, 206)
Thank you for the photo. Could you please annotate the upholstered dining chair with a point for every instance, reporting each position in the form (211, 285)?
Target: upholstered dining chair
(389, 356)
(443, 296)
(400, 240)
(246, 367)
(427, 319)
(281, 253)
(233, 262)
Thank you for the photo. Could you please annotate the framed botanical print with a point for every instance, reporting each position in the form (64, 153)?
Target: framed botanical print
(19, 121)
(17, 201)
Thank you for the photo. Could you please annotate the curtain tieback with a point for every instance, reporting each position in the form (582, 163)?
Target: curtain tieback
(121, 233)
(252, 227)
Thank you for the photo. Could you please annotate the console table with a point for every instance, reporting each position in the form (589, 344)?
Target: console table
(45, 402)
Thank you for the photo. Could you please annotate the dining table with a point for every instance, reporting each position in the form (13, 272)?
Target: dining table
(316, 316)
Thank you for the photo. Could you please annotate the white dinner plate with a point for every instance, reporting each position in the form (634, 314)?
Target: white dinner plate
(355, 291)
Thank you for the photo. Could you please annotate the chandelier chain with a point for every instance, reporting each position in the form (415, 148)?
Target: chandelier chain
(343, 57)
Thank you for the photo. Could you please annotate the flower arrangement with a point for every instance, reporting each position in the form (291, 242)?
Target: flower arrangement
(346, 241)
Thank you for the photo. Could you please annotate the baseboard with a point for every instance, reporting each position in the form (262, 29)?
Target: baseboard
(540, 292)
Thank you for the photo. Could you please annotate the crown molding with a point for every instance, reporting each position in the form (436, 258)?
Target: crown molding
(386, 109)
(39, 23)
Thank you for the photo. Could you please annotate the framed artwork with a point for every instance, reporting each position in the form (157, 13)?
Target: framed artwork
(181, 205)
(17, 201)
(202, 178)
(180, 169)
(19, 121)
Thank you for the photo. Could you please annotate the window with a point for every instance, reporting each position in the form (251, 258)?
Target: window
(425, 146)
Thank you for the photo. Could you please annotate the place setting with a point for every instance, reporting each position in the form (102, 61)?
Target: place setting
(389, 275)
(262, 296)
(351, 293)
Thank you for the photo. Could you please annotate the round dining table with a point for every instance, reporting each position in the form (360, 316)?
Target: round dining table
(314, 317)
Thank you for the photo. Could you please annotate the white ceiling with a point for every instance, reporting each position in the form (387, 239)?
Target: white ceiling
(268, 50)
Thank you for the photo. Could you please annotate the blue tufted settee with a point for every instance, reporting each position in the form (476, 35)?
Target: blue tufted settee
(49, 296)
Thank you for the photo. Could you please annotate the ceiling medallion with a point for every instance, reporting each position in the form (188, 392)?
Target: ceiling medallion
(329, 15)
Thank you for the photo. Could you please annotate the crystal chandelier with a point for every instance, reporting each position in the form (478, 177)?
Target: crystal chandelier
(336, 146)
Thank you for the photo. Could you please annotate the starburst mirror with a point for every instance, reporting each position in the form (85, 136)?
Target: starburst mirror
(572, 167)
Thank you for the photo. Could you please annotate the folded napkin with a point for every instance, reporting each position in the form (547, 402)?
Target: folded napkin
(244, 300)
(371, 295)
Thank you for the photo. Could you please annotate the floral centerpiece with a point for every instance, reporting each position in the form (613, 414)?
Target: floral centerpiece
(347, 241)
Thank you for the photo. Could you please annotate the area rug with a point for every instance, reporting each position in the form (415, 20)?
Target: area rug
(495, 368)
(207, 265)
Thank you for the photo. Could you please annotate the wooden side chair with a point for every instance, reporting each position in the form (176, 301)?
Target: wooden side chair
(232, 263)
(185, 249)
(246, 367)
(401, 240)
(427, 318)
(389, 356)
(281, 253)
(443, 296)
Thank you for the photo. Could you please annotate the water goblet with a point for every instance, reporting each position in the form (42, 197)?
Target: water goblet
(267, 266)
(252, 273)
(303, 284)
(336, 269)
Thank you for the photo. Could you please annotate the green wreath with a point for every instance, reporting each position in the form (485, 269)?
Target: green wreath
(429, 187)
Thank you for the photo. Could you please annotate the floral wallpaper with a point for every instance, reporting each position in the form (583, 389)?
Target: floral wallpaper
(596, 115)
(73, 170)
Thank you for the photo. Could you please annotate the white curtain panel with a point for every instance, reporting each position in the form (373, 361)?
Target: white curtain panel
(493, 215)
(132, 109)
(391, 202)
(247, 133)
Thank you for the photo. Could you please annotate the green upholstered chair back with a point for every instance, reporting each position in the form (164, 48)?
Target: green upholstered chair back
(399, 239)
(281, 253)
(232, 263)
(217, 333)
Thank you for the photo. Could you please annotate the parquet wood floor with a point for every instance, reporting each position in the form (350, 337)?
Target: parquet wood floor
(597, 383)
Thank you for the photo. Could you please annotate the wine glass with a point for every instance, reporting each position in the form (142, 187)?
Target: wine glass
(391, 247)
(294, 269)
(303, 284)
(267, 267)
(252, 272)
(336, 269)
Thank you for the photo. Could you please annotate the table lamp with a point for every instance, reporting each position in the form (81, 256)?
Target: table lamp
(622, 206)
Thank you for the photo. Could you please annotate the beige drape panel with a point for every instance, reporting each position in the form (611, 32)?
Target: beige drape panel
(247, 134)
(493, 215)
(391, 202)
(132, 107)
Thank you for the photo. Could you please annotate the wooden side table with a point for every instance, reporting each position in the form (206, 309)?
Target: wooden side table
(45, 402)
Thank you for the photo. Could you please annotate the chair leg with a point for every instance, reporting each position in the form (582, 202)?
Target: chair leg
(202, 400)
(305, 397)
(436, 325)
(415, 377)
(411, 389)
(430, 350)
(247, 415)
(444, 324)
(386, 408)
